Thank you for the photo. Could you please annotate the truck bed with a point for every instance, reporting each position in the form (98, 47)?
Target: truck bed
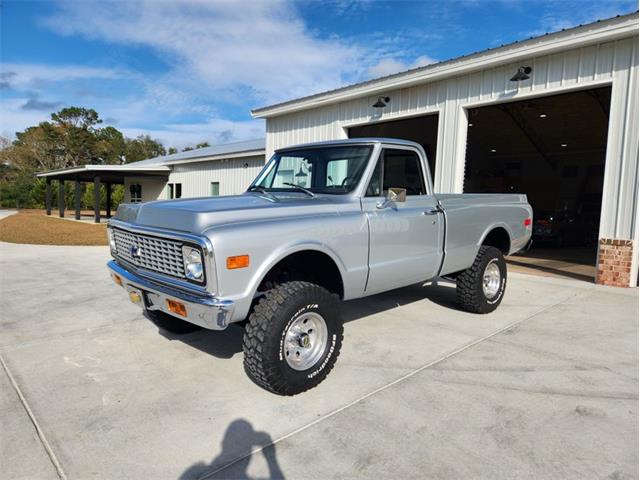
(472, 216)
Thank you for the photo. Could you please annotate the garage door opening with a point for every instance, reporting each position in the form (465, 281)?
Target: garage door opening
(422, 130)
(553, 149)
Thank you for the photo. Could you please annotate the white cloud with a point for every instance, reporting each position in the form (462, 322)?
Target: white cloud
(213, 131)
(221, 58)
(389, 66)
(26, 75)
(571, 13)
(259, 48)
(386, 66)
(13, 118)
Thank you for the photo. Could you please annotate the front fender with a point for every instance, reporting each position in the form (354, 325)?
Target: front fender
(289, 249)
(342, 238)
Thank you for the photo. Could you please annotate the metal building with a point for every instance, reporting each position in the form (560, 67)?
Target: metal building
(226, 169)
(555, 117)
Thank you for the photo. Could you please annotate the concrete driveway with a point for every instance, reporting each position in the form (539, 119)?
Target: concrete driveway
(546, 387)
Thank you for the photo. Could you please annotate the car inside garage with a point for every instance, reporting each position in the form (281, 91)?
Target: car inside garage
(553, 149)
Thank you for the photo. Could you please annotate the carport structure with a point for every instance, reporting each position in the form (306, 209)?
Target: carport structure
(96, 174)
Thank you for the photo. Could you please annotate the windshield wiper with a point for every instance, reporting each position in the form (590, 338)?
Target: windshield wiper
(302, 189)
(262, 190)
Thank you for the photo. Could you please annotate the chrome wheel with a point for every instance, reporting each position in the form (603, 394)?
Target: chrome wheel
(305, 341)
(491, 279)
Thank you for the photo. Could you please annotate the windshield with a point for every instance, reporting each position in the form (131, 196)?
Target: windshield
(334, 170)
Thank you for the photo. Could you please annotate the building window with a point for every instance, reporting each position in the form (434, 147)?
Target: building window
(215, 189)
(175, 190)
(136, 192)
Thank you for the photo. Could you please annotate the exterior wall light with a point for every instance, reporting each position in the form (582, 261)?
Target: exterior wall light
(381, 103)
(522, 74)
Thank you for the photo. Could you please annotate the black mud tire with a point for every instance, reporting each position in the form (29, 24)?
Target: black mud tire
(171, 324)
(264, 356)
(469, 289)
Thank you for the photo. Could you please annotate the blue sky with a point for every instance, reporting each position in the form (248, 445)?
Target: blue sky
(190, 71)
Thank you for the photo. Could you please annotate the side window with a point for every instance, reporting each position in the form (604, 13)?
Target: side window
(402, 169)
(337, 172)
(397, 169)
(374, 189)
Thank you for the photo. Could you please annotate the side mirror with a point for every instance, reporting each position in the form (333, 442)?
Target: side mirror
(394, 195)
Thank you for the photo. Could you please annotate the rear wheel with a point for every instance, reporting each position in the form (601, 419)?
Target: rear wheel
(481, 287)
(293, 338)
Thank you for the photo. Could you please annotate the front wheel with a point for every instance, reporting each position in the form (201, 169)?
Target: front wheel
(293, 338)
(480, 288)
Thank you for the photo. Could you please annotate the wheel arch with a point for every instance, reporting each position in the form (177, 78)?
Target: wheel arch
(311, 255)
(498, 236)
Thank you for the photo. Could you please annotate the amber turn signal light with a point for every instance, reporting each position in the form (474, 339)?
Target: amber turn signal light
(176, 307)
(116, 279)
(239, 261)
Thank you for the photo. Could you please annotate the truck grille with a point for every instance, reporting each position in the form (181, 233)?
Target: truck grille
(151, 253)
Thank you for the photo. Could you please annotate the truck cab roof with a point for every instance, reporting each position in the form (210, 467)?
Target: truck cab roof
(353, 141)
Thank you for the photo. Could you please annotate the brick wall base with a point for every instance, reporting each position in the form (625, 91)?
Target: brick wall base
(614, 262)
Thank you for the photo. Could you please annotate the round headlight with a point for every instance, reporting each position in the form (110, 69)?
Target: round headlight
(193, 267)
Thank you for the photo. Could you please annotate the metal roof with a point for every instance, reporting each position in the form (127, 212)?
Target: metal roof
(108, 173)
(106, 168)
(234, 149)
(439, 69)
(161, 165)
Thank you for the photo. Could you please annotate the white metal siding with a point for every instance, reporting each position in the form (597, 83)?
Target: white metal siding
(233, 176)
(152, 188)
(614, 62)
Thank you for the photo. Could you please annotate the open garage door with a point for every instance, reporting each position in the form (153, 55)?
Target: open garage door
(422, 130)
(553, 149)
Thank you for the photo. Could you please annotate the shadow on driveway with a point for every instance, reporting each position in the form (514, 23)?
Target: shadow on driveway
(227, 343)
(239, 441)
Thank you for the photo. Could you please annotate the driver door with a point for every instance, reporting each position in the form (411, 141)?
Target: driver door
(405, 238)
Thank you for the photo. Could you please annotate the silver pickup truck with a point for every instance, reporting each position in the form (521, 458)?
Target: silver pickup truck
(321, 223)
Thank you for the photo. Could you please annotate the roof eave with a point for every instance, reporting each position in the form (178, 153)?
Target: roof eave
(222, 156)
(607, 30)
(104, 168)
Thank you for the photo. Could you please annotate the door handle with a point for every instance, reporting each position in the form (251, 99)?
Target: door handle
(433, 211)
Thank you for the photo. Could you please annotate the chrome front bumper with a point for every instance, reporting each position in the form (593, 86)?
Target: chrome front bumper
(203, 310)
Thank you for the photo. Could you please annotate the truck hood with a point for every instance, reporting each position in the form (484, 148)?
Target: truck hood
(195, 215)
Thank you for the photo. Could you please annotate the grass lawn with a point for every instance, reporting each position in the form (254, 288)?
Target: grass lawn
(34, 227)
